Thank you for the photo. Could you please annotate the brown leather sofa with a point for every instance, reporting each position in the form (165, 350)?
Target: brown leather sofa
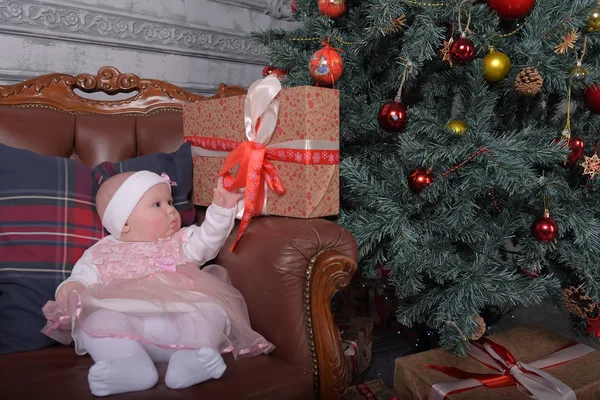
(287, 269)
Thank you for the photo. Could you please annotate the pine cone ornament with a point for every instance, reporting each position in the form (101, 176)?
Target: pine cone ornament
(578, 303)
(529, 81)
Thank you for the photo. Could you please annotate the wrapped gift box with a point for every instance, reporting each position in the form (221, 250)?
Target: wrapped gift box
(373, 390)
(412, 380)
(305, 144)
(357, 343)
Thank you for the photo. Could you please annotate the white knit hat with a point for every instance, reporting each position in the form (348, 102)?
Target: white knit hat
(127, 196)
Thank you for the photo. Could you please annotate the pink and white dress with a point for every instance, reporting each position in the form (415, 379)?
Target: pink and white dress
(155, 293)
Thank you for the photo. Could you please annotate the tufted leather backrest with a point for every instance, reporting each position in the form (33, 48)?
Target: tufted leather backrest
(90, 138)
(46, 115)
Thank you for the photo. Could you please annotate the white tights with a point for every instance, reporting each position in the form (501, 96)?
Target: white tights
(126, 365)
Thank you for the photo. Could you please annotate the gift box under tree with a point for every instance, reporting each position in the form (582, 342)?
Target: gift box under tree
(373, 390)
(530, 362)
(357, 342)
(280, 145)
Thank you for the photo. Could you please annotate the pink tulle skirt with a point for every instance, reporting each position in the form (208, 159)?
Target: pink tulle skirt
(187, 309)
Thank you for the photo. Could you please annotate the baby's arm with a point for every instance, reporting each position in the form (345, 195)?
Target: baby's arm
(206, 240)
(84, 274)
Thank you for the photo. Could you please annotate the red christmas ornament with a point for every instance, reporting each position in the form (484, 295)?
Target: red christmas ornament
(392, 116)
(419, 179)
(326, 66)
(268, 70)
(577, 147)
(279, 73)
(294, 5)
(544, 229)
(332, 8)
(462, 50)
(592, 98)
(511, 9)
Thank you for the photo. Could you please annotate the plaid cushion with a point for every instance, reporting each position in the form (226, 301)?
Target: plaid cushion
(47, 220)
(177, 165)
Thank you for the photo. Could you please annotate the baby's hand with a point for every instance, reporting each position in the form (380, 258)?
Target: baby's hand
(223, 197)
(67, 288)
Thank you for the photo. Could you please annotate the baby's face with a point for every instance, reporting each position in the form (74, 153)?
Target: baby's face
(154, 217)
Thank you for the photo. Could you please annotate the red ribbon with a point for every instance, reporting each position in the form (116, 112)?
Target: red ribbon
(496, 380)
(298, 156)
(255, 169)
(489, 380)
(367, 393)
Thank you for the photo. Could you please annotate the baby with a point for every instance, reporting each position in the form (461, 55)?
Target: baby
(137, 297)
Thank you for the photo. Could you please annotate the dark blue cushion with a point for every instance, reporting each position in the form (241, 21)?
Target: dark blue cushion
(47, 220)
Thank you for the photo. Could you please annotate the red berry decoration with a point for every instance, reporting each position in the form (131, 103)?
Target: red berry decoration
(294, 6)
(577, 147)
(592, 98)
(544, 229)
(419, 179)
(392, 116)
(332, 8)
(326, 66)
(511, 9)
(268, 70)
(462, 50)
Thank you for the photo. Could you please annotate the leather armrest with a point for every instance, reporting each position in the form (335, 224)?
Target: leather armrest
(273, 266)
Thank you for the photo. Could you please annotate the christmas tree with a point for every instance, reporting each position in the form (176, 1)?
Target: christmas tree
(468, 145)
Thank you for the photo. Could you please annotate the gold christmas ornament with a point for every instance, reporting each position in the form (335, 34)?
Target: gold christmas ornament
(496, 66)
(578, 71)
(457, 127)
(593, 20)
(591, 165)
(481, 328)
(529, 81)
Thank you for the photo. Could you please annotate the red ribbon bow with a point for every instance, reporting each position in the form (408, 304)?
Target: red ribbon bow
(489, 380)
(255, 169)
(529, 377)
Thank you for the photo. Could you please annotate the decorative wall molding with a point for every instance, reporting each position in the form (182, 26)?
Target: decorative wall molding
(279, 9)
(261, 6)
(91, 26)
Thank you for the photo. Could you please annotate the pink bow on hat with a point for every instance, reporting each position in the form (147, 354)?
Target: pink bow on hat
(172, 183)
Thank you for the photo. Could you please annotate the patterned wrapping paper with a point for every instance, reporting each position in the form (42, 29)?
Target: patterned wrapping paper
(413, 381)
(372, 390)
(306, 113)
(357, 343)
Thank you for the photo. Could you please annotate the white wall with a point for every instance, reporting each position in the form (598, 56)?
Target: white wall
(195, 44)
